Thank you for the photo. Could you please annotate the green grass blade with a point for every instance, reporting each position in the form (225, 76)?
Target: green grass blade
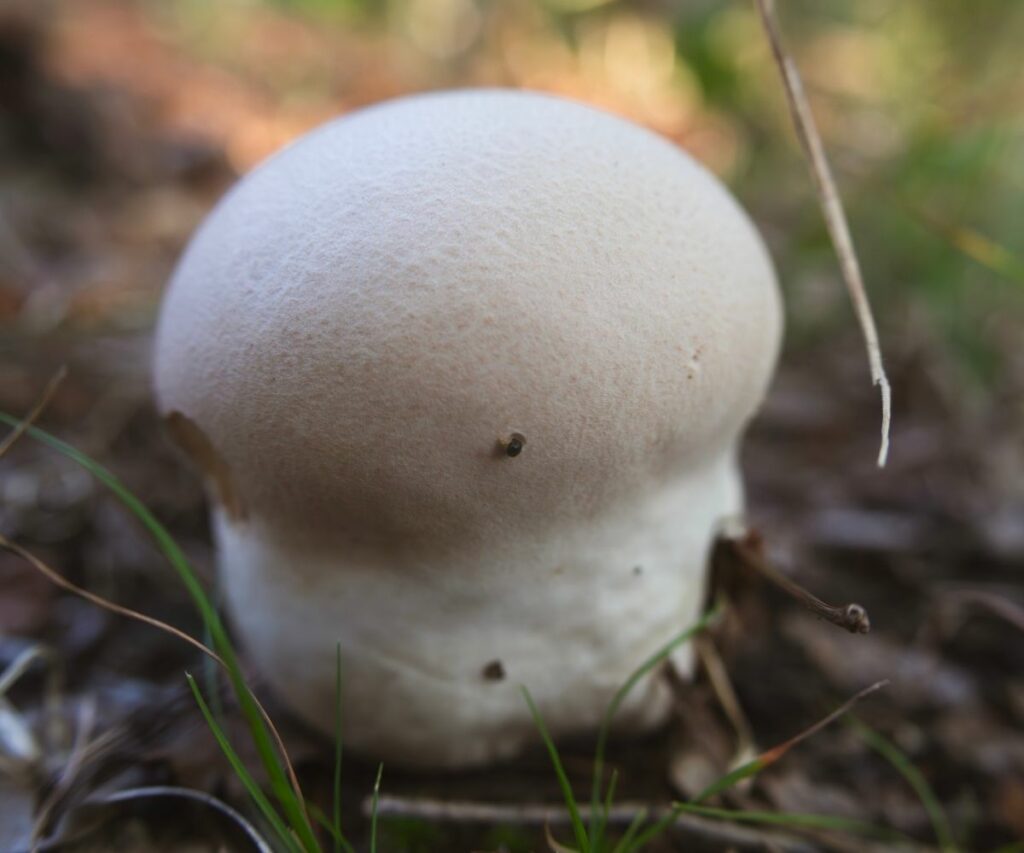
(578, 828)
(327, 823)
(798, 821)
(210, 672)
(258, 797)
(336, 792)
(744, 771)
(652, 832)
(262, 740)
(626, 843)
(596, 821)
(597, 841)
(892, 753)
(373, 809)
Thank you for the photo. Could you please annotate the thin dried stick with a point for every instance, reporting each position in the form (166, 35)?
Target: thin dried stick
(82, 750)
(767, 758)
(721, 835)
(832, 208)
(53, 576)
(853, 617)
(20, 665)
(37, 409)
(721, 684)
(776, 752)
(1012, 612)
(113, 607)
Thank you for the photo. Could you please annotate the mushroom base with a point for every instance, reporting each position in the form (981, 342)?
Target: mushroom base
(434, 651)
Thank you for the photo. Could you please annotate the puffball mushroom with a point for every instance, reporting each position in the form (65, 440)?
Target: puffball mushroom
(466, 374)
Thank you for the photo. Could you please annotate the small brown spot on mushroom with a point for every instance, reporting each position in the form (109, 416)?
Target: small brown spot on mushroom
(512, 444)
(693, 364)
(198, 447)
(494, 671)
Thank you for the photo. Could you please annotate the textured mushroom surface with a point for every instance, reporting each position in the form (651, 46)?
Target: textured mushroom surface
(367, 327)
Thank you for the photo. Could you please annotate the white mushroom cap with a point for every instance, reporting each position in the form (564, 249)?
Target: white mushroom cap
(363, 321)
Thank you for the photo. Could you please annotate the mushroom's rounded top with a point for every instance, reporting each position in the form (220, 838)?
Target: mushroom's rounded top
(366, 321)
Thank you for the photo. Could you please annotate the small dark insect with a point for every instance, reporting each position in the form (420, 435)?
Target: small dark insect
(513, 443)
(494, 671)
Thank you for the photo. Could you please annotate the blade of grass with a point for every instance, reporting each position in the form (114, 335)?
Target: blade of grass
(770, 756)
(327, 823)
(626, 843)
(283, 780)
(970, 242)
(609, 797)
(895, 756)
(598, 818)
(210, 678)
(986, 251)
(804, 821)
(258, 797)
(373, 809)
(336, 792)
(652, 832)
(578, 828)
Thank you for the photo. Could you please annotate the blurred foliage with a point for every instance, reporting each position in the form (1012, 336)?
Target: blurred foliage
(920, 103)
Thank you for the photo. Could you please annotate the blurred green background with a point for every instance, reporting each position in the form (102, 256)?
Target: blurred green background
(920, 103)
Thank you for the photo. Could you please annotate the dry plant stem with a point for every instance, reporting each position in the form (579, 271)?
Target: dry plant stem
(724, 836)
(83, 749)
(91, 597)
(167, 791)
(553, 845)
(37, 409)
(775, 753)
(832, 208)
(1008, 610)
(726, 694)
(853, 617)
(20, 665)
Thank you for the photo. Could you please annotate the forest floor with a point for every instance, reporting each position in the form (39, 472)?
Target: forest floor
(102, 190)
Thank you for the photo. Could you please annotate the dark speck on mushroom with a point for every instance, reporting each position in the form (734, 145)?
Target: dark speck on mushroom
(494, 671)
(512, 444)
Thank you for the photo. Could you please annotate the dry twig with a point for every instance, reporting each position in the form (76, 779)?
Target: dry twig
(37, 410)
(750, 550)
(721, 835)
(1006, 609)
(776, 752)
(721, 684)
(832, 208)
